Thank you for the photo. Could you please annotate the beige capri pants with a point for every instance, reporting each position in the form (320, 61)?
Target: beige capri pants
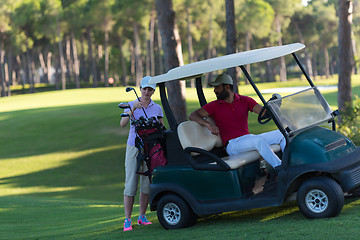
(131, 177)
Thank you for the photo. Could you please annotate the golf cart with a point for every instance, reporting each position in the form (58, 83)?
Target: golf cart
(318, 164)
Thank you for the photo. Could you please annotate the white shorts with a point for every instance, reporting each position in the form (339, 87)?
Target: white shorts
(131, 177)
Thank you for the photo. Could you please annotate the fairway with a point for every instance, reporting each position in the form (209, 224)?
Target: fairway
(62, 174)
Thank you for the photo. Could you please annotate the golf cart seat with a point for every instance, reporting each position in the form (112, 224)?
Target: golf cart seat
(192, 134)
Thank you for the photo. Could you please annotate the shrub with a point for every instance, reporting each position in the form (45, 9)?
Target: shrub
(350, 122)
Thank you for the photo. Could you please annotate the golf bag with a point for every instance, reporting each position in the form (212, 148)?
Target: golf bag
(150, 142)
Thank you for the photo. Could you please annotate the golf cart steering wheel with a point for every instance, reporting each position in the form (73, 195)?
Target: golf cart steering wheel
(265, 118)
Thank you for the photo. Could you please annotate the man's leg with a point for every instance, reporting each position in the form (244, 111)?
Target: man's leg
(275, 137)
(253, 142)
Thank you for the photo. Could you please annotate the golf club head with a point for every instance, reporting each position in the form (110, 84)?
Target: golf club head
(128, 89)
(124, 105)
(125, 115)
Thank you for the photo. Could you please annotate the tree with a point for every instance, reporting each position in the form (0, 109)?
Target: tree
(345, 55)
(231, 38)
(74, 18)
(255, 20)
(326, 27)
(4, 33)
(171, 44)
(302, 25)
(283, 10)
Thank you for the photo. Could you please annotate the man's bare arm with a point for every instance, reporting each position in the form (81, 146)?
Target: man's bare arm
(257, 108)
(199, 115)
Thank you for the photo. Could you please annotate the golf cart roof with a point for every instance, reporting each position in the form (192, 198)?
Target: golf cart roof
(197, 69)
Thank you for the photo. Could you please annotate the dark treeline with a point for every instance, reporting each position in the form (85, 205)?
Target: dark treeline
(78, 43)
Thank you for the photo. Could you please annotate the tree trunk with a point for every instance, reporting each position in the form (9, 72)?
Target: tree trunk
(124, 78)
(92, 60)
(345, 63)
(314, 62)
(35, 77)
(106, 49)
(308, 64)
(326, 62)
(132, 64)
(7, 79)
(189, 39)
(2, 75)
(151, 43)
(307, 58)
(57, 74)
(30, 72)
(354, 54)
(138, 62)
(283, 77)
(10, 72)
(61, 55)
(43, 67)
(210, 44)
(62, 66)
(160, 54)
(247, 48)
(147, 55)
(69, 62)
(76, 60)
(269, 74)
(171, 43)
(99, 56)
(21, 70)
(84, 65)
(49, 65)
(231, 38)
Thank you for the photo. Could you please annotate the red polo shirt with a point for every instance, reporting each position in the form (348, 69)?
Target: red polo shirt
(231, 118)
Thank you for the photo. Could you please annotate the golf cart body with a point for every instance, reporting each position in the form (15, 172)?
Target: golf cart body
(318, 163)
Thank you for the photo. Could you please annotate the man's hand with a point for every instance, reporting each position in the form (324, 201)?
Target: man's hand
(199, 115)
(213, 129)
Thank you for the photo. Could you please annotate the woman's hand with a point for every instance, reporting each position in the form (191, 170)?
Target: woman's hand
(137, 105)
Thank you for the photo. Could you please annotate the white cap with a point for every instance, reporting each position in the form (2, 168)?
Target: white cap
(145, 83)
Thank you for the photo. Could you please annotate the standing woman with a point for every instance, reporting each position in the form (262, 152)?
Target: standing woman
(131, 178)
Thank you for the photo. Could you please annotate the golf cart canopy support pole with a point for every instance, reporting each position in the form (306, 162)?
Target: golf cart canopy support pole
(169, 114)
(303, 70)
(276, 121)
(253, 85)
(200, 93)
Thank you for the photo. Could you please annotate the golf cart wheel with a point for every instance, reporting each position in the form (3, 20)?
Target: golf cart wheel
(173, 213)
(320, 197)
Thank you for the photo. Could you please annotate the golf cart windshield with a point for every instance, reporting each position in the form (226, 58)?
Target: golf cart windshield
(301, 110)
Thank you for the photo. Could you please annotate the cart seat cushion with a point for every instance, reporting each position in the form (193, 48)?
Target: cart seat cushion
(192, 134)
(238, 160)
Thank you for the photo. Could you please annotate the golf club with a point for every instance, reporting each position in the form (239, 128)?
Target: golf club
(128, 89)
(125, 105)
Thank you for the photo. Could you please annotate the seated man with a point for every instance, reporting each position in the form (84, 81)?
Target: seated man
(230, 113)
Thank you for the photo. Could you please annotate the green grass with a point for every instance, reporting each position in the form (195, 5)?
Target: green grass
(62, 174)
